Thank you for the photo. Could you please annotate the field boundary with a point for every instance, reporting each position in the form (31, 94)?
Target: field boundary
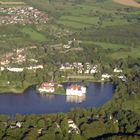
(131, 3)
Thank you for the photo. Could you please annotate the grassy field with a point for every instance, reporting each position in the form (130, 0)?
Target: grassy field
(134, 52)
(34, 35)
(121, 51)
(105, 45)
(84, 14)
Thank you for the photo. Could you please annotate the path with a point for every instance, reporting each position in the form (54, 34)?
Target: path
(11, 3)
(132, 3)
(79, 77)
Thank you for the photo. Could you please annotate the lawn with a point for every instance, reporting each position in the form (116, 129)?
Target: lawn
(106, 45)
(73, 24)
(34, 35)
(134, 52)
(81, 19)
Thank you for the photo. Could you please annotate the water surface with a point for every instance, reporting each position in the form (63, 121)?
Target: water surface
(33, 103)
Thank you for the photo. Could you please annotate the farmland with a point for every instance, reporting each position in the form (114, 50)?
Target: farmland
(103, 23)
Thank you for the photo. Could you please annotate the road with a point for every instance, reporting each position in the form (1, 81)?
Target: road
(132, 3)
(11, 3)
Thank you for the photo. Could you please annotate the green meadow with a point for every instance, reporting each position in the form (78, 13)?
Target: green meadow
(105, 45)
(34, 35)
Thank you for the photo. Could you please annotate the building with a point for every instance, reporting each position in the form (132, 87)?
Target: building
(46, 87)
(35, 67)
(106, 76)
(72, 127)
(76, 90)
(15, 69)
(117, 70)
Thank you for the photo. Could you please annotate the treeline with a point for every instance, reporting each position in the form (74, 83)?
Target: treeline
(92, 123)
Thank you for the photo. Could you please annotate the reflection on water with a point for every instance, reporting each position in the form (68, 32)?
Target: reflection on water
(49, 97)
(68, 99)
(75, 99)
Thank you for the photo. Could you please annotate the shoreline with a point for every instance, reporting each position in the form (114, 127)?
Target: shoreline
(11, 90)
(16, 90)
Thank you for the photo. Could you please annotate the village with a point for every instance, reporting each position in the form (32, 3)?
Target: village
(13, 62)
(18, 56)
(22, 15)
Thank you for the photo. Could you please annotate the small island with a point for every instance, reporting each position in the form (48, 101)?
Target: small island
(50, 88)
(53, 88)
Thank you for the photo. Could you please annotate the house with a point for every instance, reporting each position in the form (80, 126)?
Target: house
(16, 125)
(88, 66)
(93, 71)
(66, 46)
(19, 124)
(79, 71)
(106, 76)
(117, 70)
(15, 69)
(46, 87)
(87, 71)
(40, 131)
(13, 126)
(122, 77)
(2, 68)
(66, 66)
(72, 127)
(35, 67)
(70, 42)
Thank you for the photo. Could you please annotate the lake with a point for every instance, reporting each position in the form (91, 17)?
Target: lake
(31, 102)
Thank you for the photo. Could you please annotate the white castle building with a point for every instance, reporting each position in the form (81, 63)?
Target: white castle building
(76, 90)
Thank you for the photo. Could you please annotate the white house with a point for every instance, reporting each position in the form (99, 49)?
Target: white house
(66, 46)
(122, 77)
(19, 124)
(117, 70)
(35, 67)
(66, 66)
(79, 71)
(15, 69)
(2, 68)
(106, 76)
(72, 127)
(87, 71)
